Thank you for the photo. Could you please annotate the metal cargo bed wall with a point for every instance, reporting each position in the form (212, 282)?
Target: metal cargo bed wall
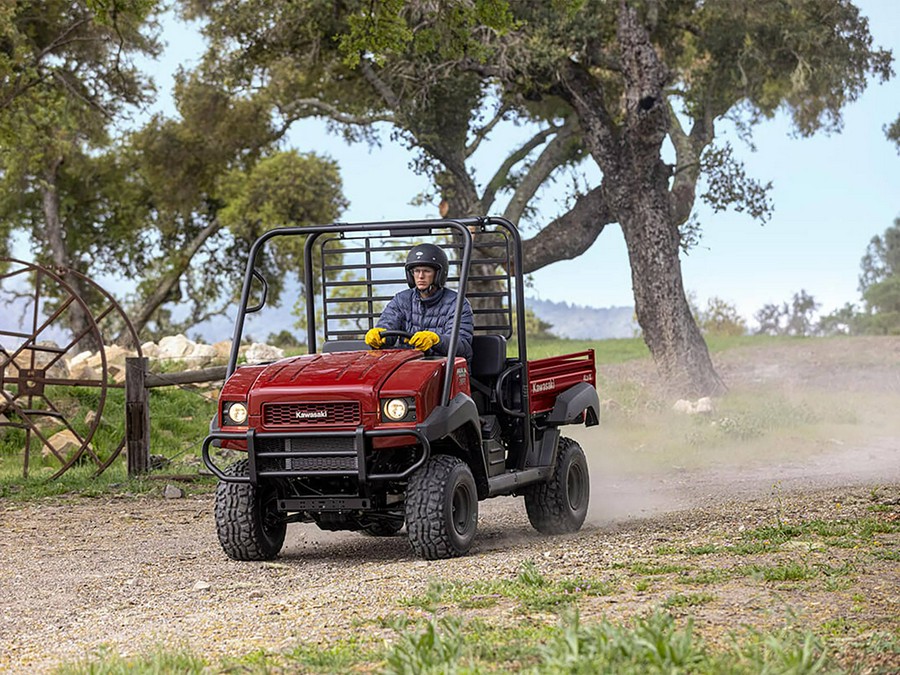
(361, 273)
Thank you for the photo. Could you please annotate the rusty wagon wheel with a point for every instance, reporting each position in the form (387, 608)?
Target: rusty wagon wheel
(51, 390)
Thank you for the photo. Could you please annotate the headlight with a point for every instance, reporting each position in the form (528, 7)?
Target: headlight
(236, 413)
(395, 409)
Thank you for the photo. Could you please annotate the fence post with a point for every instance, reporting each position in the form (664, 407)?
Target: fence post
(137, 416)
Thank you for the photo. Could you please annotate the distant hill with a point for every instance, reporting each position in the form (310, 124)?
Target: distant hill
(585, 323)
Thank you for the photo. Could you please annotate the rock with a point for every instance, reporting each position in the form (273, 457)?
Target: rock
(116, 355)
(201, 356)
(260, 353)
(83, 371)
(700, 406)
(158, 462)
(703, 405)
(175, 347)
(172, 492)
(683, 406)
(223, 350)
(202, 586)
(90, 417)
(64, 442)
(150, 350)
(79, 358)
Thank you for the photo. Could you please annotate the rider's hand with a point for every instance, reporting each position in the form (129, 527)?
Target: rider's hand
(374, 339)
(424, 340)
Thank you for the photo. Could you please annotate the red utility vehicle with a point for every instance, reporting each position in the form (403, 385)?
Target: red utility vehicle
(359, 439)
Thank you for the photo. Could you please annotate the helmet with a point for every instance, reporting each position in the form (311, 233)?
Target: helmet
(427, 255)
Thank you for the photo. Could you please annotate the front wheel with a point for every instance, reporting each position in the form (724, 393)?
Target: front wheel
(247, 520)
(560, 505)
(441, 508)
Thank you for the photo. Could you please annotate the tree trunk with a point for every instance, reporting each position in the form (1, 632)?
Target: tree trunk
(170, 280)
(663, 313)
(76, 317)
(627, 146)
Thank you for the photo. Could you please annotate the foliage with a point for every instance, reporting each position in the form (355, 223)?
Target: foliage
(893, 132)
(879, 283)
(796, 318)
(721, 318)
(445, 75)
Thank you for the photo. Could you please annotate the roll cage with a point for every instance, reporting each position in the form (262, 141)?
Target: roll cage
(360, 263)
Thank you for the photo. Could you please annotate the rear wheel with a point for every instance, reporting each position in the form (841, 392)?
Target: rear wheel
(560, 505)
(442, 508)
(247, 520)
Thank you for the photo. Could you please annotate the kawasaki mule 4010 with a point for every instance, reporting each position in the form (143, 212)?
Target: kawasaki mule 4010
(357, 439)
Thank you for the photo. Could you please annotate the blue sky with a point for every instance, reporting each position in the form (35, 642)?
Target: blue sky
(832, 194)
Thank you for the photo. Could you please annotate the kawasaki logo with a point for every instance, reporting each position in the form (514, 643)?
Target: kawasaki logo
(310, 414)
(543, 386)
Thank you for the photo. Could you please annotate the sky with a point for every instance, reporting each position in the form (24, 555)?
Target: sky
(831, 195)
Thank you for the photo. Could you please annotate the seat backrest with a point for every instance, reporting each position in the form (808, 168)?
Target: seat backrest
(344, 346)
(488, 356)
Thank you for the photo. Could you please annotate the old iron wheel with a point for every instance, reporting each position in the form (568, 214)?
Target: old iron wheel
(560, 505)
(247, 522)
(442, 508)
(44, 399)
(383, 526)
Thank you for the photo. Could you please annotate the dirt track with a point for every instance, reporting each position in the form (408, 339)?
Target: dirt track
(133, 573)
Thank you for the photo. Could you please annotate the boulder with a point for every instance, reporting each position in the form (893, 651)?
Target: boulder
(223, 350)
(201, 356)
(64, 442)
(150, 350)
(175, 347)
(79, 359)
(260, 353)
(83, 372)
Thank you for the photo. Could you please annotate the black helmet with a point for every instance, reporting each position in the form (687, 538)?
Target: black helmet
(427, 255)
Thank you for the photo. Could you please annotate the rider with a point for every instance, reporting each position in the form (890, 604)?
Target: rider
(426, 308)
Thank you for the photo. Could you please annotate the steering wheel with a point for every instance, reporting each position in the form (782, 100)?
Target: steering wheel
(396, 333)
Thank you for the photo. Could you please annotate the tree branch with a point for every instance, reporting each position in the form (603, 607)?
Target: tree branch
(320, 107)
(553, 155)
(481, 134)
(571, 234)
(502, 174)
(171, 278)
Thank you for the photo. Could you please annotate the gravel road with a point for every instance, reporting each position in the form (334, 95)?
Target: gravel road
(132, 573)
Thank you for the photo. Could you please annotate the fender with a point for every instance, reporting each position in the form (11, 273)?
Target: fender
(459, 421)
(577, 399)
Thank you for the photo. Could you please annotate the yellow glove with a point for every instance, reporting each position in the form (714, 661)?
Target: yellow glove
(374, 339)
(424, 340)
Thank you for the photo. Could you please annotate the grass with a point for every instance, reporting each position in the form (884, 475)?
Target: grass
(179, 419)
(531, 590)
(652, 643)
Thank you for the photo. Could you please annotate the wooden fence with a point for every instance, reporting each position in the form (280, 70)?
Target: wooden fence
(138, 382)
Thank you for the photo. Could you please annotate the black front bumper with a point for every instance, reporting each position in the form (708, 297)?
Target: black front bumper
(317, 462)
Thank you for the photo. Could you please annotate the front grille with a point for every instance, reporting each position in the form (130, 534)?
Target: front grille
(312, 415)
(321, 463)
(314, 458)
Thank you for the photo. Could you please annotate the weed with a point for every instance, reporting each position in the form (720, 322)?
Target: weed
(786, 651)
(688, 599)
(438, 648)
(162, 660)
(706, 549)
(651, 644)
(792, 571)
(656, 569)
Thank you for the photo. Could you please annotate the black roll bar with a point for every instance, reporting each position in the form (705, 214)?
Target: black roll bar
(411, 227)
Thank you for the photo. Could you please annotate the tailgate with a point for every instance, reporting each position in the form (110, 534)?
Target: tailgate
(547, 378)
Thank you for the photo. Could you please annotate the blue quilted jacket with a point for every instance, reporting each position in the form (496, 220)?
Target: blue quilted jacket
(407, 311)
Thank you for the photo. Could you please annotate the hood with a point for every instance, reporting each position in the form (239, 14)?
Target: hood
(336, 370)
